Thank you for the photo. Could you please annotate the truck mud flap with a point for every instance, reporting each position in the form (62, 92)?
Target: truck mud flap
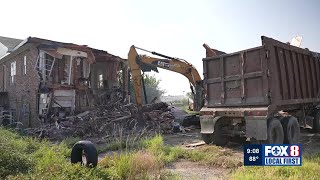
(256, 127)
(207, 124)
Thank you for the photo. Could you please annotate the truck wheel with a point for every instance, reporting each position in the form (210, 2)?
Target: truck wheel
(207, 138)
(291, 130)
(275, 132)
(255, 141)
(217, 137)
(316, 122)
(238, 139)
(90, 152)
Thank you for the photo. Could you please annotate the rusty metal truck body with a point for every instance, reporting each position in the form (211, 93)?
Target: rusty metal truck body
(252, 91)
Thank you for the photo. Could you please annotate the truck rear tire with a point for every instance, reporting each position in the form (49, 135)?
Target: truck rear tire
(316, 122)
(291, 130)
(275, 132)
(207, 138)
(217, 137)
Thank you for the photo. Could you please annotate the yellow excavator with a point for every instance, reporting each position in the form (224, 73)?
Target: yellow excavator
(138, 63)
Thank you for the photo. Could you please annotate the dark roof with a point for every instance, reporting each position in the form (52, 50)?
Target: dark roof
(10, 43)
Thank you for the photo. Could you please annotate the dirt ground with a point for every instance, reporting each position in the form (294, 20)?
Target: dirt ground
(310, 142)
(190, 170)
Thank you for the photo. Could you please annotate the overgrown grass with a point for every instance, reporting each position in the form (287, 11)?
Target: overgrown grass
(309, 170)
(70, 141)
(51, 163)
(135, 165)
(27, 158)
(119, 145)
(213, 156)
(15, 156)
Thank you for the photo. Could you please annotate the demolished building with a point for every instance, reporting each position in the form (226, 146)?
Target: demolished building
(41, 78)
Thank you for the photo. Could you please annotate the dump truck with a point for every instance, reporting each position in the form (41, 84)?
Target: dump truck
(264, 94)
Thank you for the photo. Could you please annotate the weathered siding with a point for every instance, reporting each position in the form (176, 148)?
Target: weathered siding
(23, 92)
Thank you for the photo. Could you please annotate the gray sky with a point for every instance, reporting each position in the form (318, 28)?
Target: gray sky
(175, 28)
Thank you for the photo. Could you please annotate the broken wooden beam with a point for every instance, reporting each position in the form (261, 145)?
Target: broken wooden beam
(196, 144)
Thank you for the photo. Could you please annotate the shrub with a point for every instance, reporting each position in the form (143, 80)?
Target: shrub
(131, 165)
(50, 163)
(16, 153)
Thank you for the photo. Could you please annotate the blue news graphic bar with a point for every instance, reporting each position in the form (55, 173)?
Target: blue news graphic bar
(282, 161)
(272, 155)
(253, 155)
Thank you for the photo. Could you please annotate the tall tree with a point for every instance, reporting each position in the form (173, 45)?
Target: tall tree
(152, 88)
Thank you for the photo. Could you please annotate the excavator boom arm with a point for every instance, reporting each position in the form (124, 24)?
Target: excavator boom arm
(171, 64)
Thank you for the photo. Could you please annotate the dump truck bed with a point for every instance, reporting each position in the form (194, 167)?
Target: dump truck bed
(274, 75)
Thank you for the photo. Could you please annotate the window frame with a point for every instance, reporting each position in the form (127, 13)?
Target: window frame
(24, 70)
(13, 72)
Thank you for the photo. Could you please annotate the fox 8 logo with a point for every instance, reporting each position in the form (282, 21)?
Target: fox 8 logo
(285, 150)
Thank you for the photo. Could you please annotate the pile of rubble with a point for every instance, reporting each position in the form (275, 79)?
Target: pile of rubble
(109, 120)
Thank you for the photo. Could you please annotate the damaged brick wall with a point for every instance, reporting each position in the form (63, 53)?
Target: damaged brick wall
(22, 91)
(23, 88)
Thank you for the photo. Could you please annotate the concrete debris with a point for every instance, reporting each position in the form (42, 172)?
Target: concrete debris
(108, 120)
